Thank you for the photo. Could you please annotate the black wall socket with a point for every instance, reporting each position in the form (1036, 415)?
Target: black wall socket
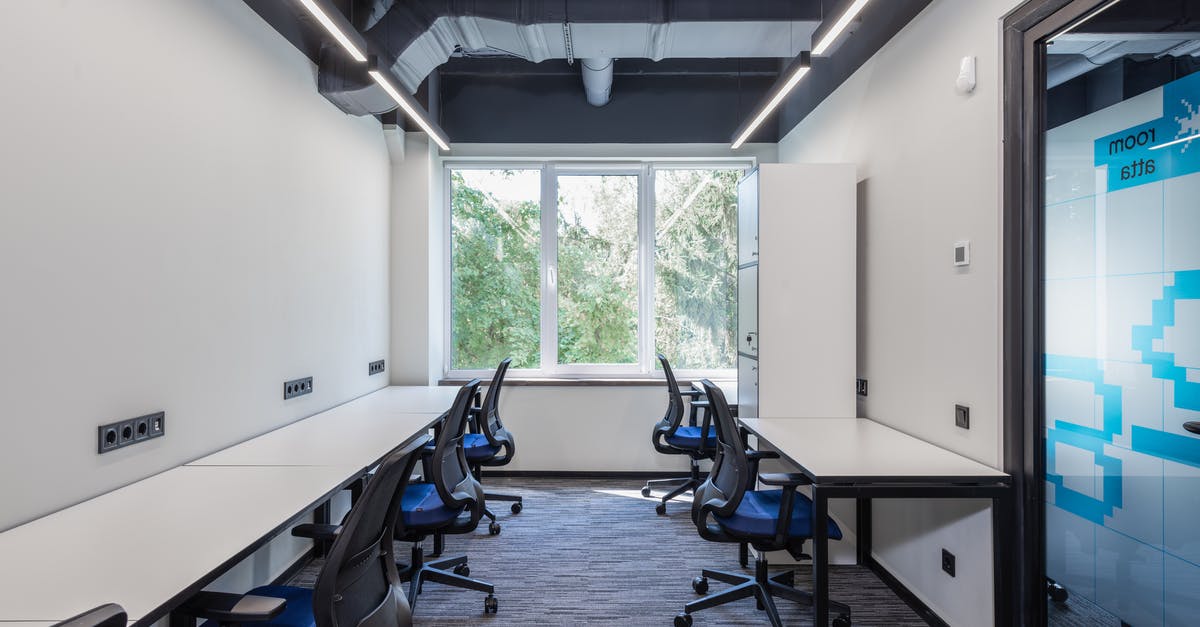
(297, 387)
(860, 387)
(962, 416)
(115, 435)
(375, 367)
(948, 562)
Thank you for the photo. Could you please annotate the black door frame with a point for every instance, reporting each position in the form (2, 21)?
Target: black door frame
(1024, 30)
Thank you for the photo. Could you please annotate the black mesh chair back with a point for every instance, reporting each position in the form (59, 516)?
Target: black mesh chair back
(722, 492)
(448, 467)
(489, 418)
(107, 615)
(359, 584)
(674, 415)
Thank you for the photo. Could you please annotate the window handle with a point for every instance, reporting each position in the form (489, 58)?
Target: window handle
(552, 277)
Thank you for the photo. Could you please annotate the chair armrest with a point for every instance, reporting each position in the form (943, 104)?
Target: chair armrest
(232, 608)
(784, 479)
(315, 531)
(693, 394)
(757, 455)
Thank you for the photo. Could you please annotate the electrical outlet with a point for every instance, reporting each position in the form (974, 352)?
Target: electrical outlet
(860, 387)
(948, 562)
(115, 435)
(158, 424)
(297, 387)
(962, 416)
(107, 439)
(375, 367)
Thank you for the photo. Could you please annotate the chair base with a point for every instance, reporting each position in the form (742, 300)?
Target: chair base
(762, 586)
(517, 505)
(682, 485)
(450, 571)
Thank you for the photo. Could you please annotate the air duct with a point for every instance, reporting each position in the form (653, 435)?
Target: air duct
(597, 80)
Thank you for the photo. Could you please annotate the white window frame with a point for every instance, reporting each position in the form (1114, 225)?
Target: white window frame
(550, 169)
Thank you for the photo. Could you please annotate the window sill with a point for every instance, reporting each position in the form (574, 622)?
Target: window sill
(573, 382)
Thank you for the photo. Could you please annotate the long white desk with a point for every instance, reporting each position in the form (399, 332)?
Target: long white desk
(343, 437)
(154, 543)
(863, 459)
(728, 388)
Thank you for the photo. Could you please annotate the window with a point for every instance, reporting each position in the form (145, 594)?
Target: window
(590, 269)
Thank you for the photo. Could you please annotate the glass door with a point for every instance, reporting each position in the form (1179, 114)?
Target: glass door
(1120, 284)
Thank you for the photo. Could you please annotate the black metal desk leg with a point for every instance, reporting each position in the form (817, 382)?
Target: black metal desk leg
(862, 530)
(820, 557)
(1002, 550)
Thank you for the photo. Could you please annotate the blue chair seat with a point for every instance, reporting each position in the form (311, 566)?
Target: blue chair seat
(297, 613)
(422, 507)
(689, 438)
(477, 447)
(758, 514)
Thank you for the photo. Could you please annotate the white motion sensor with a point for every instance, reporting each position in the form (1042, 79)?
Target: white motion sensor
(966, 76)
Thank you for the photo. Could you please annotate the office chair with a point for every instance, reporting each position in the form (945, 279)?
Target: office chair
(448, 500)
(488, 437)
(670, 437)
(358, 583)
(107, 615)
(727, 508)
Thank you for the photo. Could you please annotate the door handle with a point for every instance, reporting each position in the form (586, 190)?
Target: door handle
(1192, 426)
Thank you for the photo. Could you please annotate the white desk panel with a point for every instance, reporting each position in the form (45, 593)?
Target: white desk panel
(340, 437)
(728, 388)
(141, 545)
(833, 448)
(407, 398)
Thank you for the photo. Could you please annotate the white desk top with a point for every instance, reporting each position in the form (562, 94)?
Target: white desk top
(339, 437)
(407, 399)
(728, 388)
(839, 449)
(143, 544)
(357, 433)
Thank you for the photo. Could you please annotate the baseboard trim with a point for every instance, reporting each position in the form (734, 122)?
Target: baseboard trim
(587, 474)
(298, 565)
(924, 611)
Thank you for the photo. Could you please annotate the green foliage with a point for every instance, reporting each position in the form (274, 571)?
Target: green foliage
(695, 257)
(496, 269)
(597, 270)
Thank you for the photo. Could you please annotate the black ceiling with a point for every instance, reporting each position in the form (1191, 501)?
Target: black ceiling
(506, 100)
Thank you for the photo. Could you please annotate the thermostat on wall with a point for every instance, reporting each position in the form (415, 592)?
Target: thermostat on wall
(962, 253)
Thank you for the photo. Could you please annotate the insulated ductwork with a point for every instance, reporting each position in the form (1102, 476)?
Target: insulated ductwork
(420, 35)
(597, 80)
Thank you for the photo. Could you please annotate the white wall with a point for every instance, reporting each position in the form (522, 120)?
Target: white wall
(929, 333)
(184, 224)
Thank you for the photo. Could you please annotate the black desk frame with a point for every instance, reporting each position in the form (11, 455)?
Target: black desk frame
(864, 488)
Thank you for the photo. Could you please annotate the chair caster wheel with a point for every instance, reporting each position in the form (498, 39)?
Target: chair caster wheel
(494, 529)
(661, 509)
(516, 508)
(841, 621)
(490, 605)
(463, 570)
(700, 585)
(646, 492)
(683, 620)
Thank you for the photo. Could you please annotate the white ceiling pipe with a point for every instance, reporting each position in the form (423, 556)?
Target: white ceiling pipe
(597, 80)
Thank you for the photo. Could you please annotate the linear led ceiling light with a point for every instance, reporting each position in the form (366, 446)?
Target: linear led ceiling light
(1087, 17)
(796, 72)
(410, 106)
(323, 16)
(825, 39)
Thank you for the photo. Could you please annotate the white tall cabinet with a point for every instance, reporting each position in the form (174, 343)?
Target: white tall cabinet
(797, 311)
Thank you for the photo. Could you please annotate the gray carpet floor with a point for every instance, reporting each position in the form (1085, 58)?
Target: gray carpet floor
(594, 552)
